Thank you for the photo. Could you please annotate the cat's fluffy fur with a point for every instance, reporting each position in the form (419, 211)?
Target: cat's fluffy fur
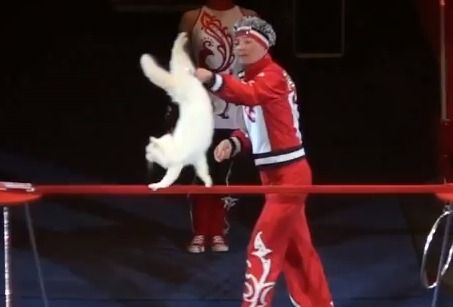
(192, 136)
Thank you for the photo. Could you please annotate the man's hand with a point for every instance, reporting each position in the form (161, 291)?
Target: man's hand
(203, 75)
(223, 151)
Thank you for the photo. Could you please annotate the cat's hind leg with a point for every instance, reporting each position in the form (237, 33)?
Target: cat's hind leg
(202, 170)
(170, 176)
(156, 74)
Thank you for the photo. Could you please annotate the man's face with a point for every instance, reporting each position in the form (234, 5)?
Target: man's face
(248, 50)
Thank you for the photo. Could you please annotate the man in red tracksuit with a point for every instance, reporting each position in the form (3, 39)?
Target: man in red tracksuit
(281, 240)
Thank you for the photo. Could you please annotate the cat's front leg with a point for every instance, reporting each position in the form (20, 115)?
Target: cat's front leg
(170, 176)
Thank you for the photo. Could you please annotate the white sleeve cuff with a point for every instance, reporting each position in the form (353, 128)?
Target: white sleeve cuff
(217, 84)
(237, 147)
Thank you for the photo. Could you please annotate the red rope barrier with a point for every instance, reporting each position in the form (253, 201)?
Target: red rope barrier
(134, 189)
(17, 198)
(239, 189)
(16, 193)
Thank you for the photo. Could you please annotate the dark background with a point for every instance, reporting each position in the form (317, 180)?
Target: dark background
(72, 92)
(72, 96)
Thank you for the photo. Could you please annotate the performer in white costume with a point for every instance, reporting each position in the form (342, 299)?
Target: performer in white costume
(210, 29)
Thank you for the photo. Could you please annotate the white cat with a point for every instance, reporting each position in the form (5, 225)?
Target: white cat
(192, 136)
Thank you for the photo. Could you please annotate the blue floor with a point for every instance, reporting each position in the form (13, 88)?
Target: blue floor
(122, 251)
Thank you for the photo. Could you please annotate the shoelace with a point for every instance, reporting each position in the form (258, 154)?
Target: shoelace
(198, 240)
(218, 240)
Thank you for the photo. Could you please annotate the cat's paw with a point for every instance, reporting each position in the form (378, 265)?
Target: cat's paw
(145, 59)
(156, 186)
(182, 38)
(147, 63)
(208, 182)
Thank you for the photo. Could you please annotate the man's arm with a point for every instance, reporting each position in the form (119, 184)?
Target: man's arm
(241, 142)
(263, 88)
(230, 147)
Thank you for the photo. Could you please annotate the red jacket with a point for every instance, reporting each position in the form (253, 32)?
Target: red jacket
(270, 111)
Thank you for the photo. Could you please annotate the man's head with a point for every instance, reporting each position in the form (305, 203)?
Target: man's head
(253, 38)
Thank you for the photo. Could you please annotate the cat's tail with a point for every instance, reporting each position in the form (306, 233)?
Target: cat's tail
(155, 73)
(180, 59)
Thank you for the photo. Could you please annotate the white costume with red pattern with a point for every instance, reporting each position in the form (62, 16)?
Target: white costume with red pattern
(212, 47)
(211, 37)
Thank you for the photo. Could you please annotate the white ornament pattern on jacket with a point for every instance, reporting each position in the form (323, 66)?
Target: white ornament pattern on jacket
(293, 301)
(258, 288)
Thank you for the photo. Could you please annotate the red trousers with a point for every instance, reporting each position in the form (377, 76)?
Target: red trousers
(208, 215)
(281, 242)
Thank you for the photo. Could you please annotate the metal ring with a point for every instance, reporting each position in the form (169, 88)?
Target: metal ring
(448, 211)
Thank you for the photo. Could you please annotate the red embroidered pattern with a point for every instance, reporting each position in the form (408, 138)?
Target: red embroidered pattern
(218, 40)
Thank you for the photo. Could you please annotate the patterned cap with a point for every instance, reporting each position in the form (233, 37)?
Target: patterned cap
(258, 28)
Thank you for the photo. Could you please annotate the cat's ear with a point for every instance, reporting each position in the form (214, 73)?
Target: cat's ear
(152, 139)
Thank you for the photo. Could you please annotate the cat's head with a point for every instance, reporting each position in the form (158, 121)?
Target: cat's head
(157, 147)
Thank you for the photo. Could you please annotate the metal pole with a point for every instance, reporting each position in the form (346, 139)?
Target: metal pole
(444, 119)
(34, 246)
(443, 63)
(7, 259)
